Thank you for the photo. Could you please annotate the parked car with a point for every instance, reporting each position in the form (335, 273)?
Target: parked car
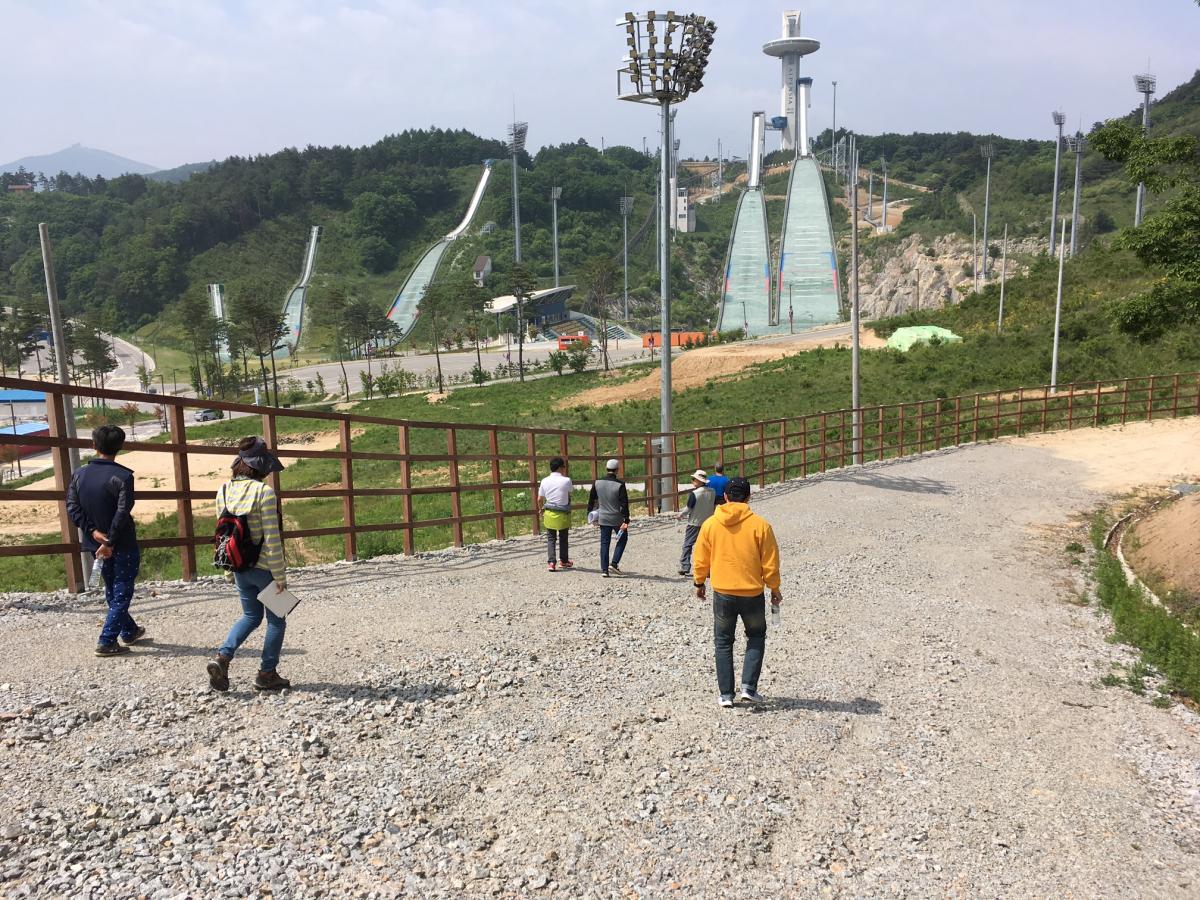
(208, 415)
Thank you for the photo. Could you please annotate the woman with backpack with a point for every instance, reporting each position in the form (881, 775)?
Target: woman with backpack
(250, 549)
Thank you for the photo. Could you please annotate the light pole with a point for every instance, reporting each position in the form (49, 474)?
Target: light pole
(626, 209)
(516, 143)
(664, 64)
(555, 194)
(1058, 118)
(1058, 310)
(986, 151)
(855, 386)
(1145, 85)
(1003, 276)
(833, 148)
(883, 220)
(975, 250)
(1075, 145)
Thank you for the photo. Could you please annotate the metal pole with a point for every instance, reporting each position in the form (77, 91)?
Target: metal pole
(987, 199)
(12, 414)
(975, 250)
(554, 192)
(516, 210)
(870, 194)
(883, 214)
(833, 144)
(1079, 140)
(1003, 276)
(1059, 118)
(855, 394)
(625, 242)
(56, 332)
(1058, 309)
(791, 316)
(1140, 209)
(664, 281)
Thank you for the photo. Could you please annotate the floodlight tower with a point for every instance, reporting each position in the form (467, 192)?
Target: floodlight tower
(833, 154)
(516, 144)
(793, 95)
(1075, 145)
(1145, 84)
(664, 64)
(626, 209)
(555, 196)
(986, 151)
(1059, 119)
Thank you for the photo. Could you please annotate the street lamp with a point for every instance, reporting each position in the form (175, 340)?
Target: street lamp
(626, 209)
(1058, 119)
(1145, 85)
(1075, 145)
(664, 63)
(986, 152)
(555, 195)
(516, 143)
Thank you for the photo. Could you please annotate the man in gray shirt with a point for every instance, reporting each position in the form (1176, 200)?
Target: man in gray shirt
(700, 505)
(611, 501)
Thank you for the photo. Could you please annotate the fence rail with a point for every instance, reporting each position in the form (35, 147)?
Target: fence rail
(416, 479)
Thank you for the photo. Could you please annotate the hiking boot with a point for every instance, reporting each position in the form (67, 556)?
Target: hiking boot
(726, 701)
(567, 564)
(113, 649)
(550, 567)
(271, 681)
(135, 637)
(750, 694)
(218, 673)
(615, 570)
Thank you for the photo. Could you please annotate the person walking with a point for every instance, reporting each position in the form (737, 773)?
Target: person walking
(700, 505)
(610, 499)
(737, 549)
(245, 494)
(99, 502)
(718, 481)
(554, 501)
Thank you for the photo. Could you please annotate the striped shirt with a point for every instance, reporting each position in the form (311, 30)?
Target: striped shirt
(258, 503)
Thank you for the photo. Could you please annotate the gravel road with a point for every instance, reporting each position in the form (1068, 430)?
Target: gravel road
(466, 724)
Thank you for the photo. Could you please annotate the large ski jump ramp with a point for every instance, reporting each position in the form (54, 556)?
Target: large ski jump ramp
(808, 275)
(293, 307)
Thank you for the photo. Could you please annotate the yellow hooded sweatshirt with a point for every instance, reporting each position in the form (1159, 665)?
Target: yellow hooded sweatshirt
(738, 548)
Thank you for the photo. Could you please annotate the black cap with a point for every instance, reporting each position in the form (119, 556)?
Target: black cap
(738, 490)
(260, 459)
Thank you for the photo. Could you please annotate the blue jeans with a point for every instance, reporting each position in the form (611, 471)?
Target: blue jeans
(119, 572)
(753, 612)
(606, 533)
(249, 584)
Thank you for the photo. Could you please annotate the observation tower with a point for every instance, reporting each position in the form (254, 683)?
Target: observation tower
(795, 90)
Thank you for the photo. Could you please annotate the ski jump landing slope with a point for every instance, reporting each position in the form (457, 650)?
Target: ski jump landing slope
(746, 298)
(293, 307)
(808, 275)
(404, 307)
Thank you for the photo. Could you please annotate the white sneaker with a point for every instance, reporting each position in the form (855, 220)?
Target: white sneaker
(726, 701)
(751, 695)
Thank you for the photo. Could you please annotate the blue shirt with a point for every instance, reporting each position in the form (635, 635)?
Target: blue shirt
(718, 483)
(100, 498)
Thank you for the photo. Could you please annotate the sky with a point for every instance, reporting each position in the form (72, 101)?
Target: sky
(168, 82)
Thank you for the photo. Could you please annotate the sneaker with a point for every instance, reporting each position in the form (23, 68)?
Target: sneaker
(615, 571)
(726, 701)
(113, 649)
(604, 574)
(271, 681)
(550, 567)
(684, 574)
(218, 673)
(567, 564)
(135, 637)
(748, 693)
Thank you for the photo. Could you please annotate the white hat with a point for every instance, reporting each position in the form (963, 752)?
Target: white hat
(613, 465)
(701, 476)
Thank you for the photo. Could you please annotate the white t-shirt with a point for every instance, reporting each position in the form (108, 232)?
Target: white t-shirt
(556, 489)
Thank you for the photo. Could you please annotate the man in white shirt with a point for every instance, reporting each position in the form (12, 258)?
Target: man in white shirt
(554, 501)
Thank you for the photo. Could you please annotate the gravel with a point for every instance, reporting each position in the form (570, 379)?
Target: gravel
(465, 724)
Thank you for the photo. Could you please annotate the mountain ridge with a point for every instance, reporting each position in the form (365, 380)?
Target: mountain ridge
(77, 158)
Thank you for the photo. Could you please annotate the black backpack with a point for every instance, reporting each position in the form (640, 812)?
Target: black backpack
(233, 550)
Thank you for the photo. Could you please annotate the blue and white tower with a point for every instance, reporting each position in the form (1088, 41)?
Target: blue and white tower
(795, 90)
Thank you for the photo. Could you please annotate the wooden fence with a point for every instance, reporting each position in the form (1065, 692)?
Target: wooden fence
(441, 483)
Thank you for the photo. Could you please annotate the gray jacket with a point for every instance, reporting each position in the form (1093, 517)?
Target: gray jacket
(701, 503)
(612, 499)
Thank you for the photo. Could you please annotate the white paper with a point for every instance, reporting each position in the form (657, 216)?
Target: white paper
(278, 600)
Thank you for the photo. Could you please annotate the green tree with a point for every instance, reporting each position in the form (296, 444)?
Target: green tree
(557, 360)
(332, 314)
(521, 284)
(256, 315)
(436, 306)
(599, 277)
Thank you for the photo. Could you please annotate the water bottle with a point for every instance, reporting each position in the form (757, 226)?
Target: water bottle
(776, 620)
(95, 578)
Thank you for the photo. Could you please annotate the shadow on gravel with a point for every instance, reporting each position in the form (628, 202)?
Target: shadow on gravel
(161, 648)
(408, 694)
(859, 706)
(896, 482)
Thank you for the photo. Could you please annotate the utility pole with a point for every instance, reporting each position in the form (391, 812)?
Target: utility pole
(555, 195)
(987, 150)
(1003, 276)
(61, 353)
(870, 195)
(883, 214)
(855, 392)
(626, 209)
(1058, 309)
(833, 141)
(1076, 145)
(1145, 85)
(1059, 119)
(975, 250)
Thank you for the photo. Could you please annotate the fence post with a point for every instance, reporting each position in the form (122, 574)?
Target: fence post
(996, 433)
(920, 426)
(975, 422)
(593, 451)
(900, 447)
(1175, 396)
(804, 446)
(742, 451)
(1150, 400)
(1198, 395)
(351, 536)
(497, 492)
(183, 506)
(1096, 411)
(937, 424)
(650, 479)
(762, 454)
(699, 462)
(406, 497)
(60, 455)
(783, 436)
(1124, 400)
(1020, 410)
(1045, 407)
(533, 483)
(1071, 407)
(456, 495)
(957, 420)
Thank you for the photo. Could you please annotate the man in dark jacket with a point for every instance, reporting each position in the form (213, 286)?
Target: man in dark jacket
(610, 500)
(100, 502)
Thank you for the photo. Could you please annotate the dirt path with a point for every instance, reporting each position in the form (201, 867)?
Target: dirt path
(695, 367)
(467, 724)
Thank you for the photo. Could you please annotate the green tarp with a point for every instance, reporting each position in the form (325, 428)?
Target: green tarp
(904, 338)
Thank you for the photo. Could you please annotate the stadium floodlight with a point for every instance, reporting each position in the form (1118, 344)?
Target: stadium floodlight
(666, 55)
(516, 145)
(555, 196)
(1146, 85)
(986, 151)
(626, 209)
(1059, 119)
(1075, 145)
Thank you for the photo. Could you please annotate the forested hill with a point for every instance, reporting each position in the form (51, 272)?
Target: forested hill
(124, 244)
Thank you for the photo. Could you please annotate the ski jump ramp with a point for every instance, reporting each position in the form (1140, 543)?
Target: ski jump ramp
(746, 295)
(404, 307)
(293, 307)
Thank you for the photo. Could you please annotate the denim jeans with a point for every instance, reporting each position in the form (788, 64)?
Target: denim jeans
(119, 572)
(249, 584)
(606, 533)
(753, 611)
(562, 533)
(690, 533)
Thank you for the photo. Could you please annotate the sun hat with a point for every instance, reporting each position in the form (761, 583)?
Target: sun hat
(260, 459)
(613, 465)
(701, 476)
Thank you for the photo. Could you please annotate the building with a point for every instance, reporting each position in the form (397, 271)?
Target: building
(27, 429)
(482, 269)
(789, 49)
(22, 405)
(685, 211)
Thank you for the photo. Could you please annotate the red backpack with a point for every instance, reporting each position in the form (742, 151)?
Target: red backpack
(233, 549)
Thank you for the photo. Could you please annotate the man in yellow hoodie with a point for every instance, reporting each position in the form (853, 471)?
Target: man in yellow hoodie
(738, 549)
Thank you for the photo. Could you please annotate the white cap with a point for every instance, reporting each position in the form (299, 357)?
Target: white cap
(613, 465)
(701, 476)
